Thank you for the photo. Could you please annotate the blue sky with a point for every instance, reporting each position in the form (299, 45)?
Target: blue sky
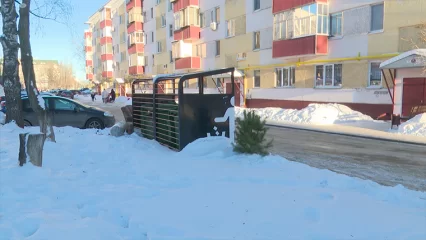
(54, 41)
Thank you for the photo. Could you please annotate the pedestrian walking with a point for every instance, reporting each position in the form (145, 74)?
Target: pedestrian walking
(112, 95)
(105, 96)
(93, 95)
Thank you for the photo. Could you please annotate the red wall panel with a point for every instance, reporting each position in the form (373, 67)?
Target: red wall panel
(181, 4)
(293, 47)
(283, 5)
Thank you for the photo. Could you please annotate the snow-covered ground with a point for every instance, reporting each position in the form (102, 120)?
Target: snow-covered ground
(338, 115)
(94, 186)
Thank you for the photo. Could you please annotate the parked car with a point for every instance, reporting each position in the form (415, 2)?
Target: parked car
(66, 94)
(75, 92)
(67, 112)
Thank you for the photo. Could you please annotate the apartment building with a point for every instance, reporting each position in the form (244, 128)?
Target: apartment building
(331, 50)
(288, 53)
(106, 45)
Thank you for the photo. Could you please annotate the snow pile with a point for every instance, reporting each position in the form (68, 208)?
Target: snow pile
(121, 99)
(133, 188)
(415, 126)
(129, 102)
(2, 118)
(313, 114)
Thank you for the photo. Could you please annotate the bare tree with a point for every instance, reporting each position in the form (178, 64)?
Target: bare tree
(11, 83)
(36, 100)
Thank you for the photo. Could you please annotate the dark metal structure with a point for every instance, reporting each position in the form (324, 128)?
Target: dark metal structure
(177, 109)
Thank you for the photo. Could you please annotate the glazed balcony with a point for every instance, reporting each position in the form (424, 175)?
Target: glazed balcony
(188, 63)
(135, 70)
(181, 4)
(89, 76)
(133, 4)
(134, 26)
(107, 74)
(284, 5)
(106, 23)
(134, 17)
(311, 45)
(106, 40)
(136, 48)
(89, 63)
(188, 33)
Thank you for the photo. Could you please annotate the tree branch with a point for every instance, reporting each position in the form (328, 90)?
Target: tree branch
(42, 17)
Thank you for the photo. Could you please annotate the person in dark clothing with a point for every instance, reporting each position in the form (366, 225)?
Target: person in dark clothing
(112, 95)
(93, 94)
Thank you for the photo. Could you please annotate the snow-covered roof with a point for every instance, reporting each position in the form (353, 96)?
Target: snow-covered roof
(413, 58)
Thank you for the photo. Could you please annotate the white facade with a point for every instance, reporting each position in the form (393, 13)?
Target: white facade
(209, 36)
(149, 29)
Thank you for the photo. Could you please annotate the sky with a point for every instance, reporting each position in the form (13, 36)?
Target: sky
(55, 41)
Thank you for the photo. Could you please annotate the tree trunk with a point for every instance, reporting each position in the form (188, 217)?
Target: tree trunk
(37, 102)
(9, 41)
(31, 146)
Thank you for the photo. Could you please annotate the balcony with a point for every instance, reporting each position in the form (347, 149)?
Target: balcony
(132, 4)
(188, 33)
(88, 48)
(311, 45)
(106, 40)
(134, 70)
(284, 5)
(89, 63)
(136, 48)
(181, 49)
(106, 56)
(89, 76)
(134, 17)
(106, 23)
(87, 35)
(181, 4)
(107, 74)
(188, 63)
(135, 26)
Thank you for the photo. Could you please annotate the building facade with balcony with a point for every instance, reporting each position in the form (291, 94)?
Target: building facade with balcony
(329, 51)
(288, 53)
(107, 53)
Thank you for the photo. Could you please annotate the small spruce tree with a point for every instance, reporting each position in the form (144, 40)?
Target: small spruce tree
(250, 135)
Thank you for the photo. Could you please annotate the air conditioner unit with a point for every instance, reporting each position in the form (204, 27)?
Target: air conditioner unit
(213, 26)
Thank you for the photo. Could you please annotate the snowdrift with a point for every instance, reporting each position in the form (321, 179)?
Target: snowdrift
(415, 126)
(322, 114)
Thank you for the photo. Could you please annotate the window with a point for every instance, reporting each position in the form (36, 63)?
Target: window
(336, 24)
(256, 40)
(122, 19)
(218, 48)
(375, 78)
(304, 21)
(61, 104)
(256, 4)
(163, 20)
(256, 78)
(152, 13)
(171, 56)
(219, 82)
(377, 17)
(230, 30)
(152, 36)
(157, 2)
(153, 59)
(328, 75)
(123, 55)
(215, 15)
(285, 77)
(159, 47)
(187, 17)
(170, 30)
(202, 20)
(170, 6)
(322, 19)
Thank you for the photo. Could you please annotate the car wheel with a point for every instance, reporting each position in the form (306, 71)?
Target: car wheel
(95, 123)
(27, 123)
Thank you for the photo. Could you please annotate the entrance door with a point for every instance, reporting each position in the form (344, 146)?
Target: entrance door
(413, 94)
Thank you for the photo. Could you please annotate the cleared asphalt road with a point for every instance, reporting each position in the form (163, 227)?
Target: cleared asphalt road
(385, 162)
